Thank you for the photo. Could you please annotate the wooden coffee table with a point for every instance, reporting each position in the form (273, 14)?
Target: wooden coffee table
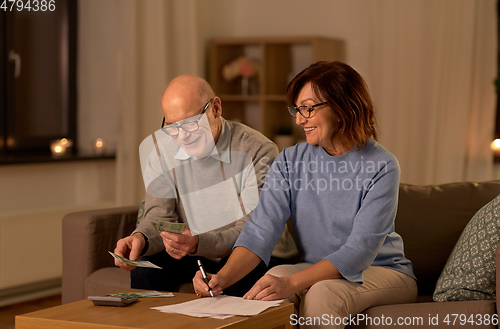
(83, 314)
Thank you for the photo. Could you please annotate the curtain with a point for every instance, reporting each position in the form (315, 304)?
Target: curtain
(432, 66)
(481, 125)
(158, 41)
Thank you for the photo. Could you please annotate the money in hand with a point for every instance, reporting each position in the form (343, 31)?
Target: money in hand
(161, 226)
(138, 263)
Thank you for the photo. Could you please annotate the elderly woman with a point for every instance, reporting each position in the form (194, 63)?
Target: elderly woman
(340, 189)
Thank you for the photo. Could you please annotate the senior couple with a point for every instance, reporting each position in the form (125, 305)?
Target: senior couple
(207, 172)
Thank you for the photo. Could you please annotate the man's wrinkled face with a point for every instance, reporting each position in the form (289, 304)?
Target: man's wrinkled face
(190, 127)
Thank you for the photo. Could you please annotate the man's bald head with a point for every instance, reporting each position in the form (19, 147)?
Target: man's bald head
(186, 88)
(185, 97)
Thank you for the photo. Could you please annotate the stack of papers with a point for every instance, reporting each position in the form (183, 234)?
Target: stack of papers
(220, 307)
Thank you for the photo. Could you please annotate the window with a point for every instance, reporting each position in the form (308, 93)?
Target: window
(38, 78)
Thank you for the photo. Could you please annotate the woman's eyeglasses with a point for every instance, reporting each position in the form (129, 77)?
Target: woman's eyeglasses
(305, 111)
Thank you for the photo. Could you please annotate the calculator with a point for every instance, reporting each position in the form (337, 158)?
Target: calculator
(112, 300)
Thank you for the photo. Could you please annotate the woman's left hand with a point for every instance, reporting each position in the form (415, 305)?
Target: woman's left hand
(271, 287)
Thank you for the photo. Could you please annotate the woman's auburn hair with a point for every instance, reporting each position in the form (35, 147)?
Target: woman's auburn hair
(347, 95)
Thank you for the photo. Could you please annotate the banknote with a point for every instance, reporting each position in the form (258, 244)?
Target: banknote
(138, 263)
(144, 294)
(161, 226)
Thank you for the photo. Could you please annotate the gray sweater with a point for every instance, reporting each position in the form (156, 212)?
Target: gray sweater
(239, 148)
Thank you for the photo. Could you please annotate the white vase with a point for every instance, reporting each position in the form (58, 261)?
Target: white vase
(244, 86)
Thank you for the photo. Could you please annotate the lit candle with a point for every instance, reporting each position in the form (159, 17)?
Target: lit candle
(57, 148)
(495, 147)
(99, 146)
(66, 142)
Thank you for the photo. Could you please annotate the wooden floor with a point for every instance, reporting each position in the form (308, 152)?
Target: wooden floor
(8, 313)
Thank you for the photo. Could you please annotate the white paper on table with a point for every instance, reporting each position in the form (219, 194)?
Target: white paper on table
(220, 305)
(180, 310)
(202, 315)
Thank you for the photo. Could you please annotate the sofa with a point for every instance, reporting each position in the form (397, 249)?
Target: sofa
(430, 219)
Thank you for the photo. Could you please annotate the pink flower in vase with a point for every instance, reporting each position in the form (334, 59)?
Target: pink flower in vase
(247, 68)
(241, 66)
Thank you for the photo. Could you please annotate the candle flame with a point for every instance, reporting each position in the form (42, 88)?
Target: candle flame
(495, 145)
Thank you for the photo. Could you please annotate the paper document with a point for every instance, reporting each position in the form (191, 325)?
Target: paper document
(138, 263)
(219, 307)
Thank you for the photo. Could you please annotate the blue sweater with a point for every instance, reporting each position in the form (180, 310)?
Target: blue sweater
(342, 209)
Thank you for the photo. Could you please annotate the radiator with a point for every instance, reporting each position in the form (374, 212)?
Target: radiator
(31, 254)
(30, 248)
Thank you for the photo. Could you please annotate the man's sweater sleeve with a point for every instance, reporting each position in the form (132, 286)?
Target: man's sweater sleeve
(159, 203)
(155, 209)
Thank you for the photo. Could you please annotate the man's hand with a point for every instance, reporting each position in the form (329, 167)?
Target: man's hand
(271, 287)
(129, 247)
(179, 245)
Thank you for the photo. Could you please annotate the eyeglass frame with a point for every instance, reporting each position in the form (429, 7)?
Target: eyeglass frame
(308, 108)
(164, 129)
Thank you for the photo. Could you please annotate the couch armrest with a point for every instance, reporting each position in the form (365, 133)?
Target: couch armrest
(87, 236)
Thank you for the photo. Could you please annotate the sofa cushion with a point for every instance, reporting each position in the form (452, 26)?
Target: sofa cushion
(431, 218)
(430, 315)
(469, 273)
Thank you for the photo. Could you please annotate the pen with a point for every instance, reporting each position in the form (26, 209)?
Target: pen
(205, 278)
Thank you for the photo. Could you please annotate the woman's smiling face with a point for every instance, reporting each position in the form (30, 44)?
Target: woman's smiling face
(319, 128)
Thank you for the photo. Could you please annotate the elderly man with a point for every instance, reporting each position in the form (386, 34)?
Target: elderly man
(201, 170)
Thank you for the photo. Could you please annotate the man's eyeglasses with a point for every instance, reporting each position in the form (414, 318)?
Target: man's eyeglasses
(173, 129)
(305, 111)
